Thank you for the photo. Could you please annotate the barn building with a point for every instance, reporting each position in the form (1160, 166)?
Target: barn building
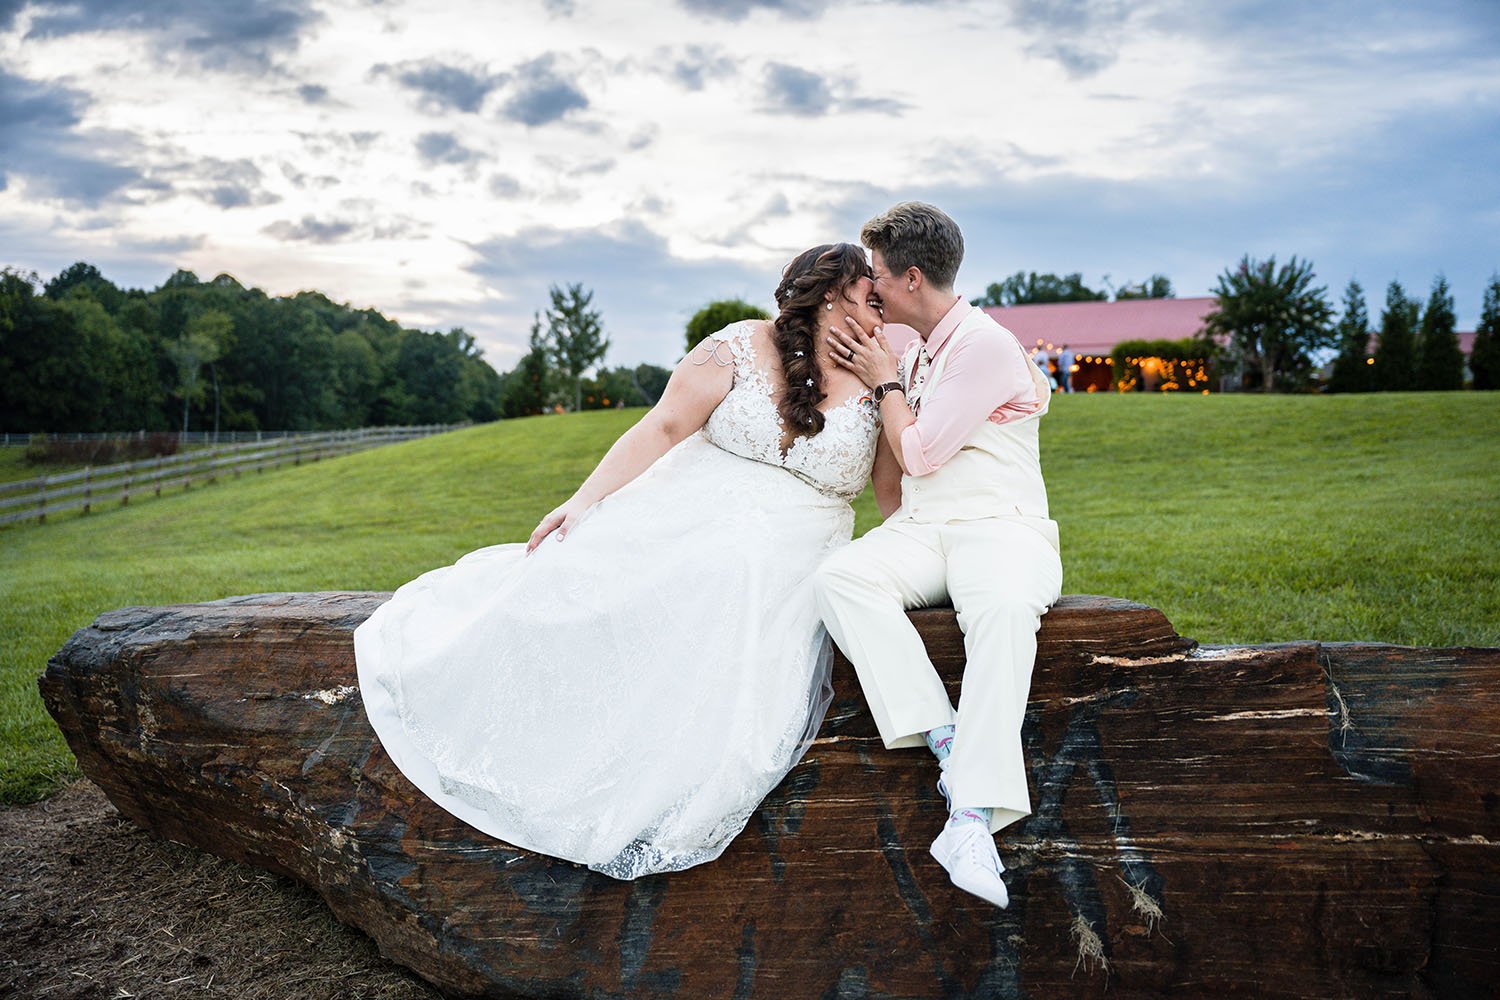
(1090, 330)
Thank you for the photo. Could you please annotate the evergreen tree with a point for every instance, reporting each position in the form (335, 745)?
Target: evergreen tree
(1351, 369)
(1440, 363)
(1396, 356)
(1273, 319)
(717, 315)
(576, 335)
(1484, 359)
(529, 386)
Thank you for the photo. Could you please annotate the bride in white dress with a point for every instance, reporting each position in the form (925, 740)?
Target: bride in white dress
(624, 689)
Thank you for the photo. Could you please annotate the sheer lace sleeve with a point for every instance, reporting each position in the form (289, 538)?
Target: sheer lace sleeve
(729, 346)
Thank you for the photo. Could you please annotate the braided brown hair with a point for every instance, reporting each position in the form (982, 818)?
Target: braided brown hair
(800, 297)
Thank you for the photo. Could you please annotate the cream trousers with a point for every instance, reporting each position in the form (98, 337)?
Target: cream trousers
(1000, 576)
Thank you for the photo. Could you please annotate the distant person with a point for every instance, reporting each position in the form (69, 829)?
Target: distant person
(1065, 368)
(1043, 360)
(624, 699)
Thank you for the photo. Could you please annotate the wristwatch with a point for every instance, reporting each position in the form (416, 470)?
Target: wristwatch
(885, 387)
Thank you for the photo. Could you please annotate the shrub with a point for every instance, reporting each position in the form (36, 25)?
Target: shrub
(44, 450)
(717, 315)
(1184, 364)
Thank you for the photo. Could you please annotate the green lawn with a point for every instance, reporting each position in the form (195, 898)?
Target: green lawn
(1245, 519)
(14, 467)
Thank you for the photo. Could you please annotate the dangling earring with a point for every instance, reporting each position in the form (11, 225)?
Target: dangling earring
(829, 307)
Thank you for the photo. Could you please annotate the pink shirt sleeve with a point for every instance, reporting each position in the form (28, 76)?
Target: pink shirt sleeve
(987, 378)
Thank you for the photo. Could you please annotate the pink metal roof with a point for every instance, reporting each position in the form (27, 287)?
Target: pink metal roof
(1095, 327)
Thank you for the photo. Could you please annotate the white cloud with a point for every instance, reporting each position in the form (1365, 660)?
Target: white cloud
(385, 154)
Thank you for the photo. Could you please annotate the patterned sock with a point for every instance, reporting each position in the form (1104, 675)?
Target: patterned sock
(969, 816)
(940, 741)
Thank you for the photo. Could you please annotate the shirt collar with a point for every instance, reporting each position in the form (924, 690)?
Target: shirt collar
(945, 326)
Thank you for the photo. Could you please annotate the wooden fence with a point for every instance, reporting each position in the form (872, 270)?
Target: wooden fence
(12, 440)
(95, 486)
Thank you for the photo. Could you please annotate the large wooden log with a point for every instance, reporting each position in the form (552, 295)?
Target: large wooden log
(1308, 820)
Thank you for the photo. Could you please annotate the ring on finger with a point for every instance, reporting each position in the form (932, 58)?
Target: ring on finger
(850, 354)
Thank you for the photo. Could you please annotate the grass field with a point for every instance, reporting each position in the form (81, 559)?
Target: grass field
(14, 467)
(1246, 519)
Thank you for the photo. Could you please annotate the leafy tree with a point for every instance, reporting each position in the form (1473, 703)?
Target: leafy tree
(609, 388)
(1351, 369)
(1158, 286)
(482, 390)
(1023, 288)
(86, 277)
(1273, 319)
(1484, 359)
(576, 335)
(1396, 355)
(356, 372)
(120, 377)
(716, 316)
(202, 343)
(81, 354)
(41, 358)
(431, 373)
(529, 386)
(650, 381)
(624, 386)
(1440, 363)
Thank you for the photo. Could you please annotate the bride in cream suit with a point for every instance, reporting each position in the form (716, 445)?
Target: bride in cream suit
(959, 414)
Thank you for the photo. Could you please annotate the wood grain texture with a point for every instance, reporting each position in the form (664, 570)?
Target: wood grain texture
(1300, 820)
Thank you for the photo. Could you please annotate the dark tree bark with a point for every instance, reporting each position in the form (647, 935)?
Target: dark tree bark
(1299, 820)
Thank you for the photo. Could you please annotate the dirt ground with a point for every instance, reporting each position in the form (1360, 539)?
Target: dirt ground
(91, 907)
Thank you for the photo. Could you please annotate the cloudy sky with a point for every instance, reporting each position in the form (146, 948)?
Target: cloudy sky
(444, 161)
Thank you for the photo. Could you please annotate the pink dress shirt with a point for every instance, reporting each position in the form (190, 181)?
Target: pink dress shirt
(987, 378)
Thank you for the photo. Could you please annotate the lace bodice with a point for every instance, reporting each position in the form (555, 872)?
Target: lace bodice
(836, 461)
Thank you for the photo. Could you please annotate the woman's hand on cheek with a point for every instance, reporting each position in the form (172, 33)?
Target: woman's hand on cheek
(867, 355)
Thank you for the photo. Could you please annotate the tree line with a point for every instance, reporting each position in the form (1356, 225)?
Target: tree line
(1274, 323)
(79, 353)
(1026, 288)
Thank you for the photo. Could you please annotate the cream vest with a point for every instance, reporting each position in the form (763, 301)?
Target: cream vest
(998, 472)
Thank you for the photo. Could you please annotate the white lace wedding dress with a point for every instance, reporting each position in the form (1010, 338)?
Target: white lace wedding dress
(625, 698)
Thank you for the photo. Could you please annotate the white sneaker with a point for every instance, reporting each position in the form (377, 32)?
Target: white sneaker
(967, 851)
